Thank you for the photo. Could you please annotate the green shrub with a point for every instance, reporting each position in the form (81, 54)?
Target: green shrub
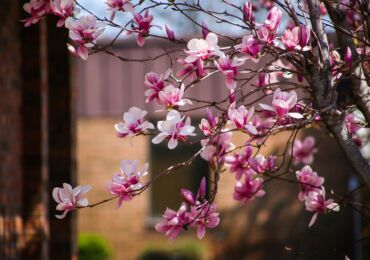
(93, 247)
(182, 251)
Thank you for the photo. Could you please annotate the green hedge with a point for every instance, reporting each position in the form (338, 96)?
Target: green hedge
(93, 247)
(188, 250)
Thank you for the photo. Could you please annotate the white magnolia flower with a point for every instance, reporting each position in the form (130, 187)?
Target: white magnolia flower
(133, 123)
(174, 128)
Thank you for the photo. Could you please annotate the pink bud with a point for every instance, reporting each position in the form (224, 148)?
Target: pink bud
(262, 79)
(211, 118)
(205, 30)
(188, 196)
(348, 56)
(232, 96)
(170, 33)
(200, 68)
(202, 188)
(248, 13)
(323, 10)
(300, 77)
(271, 162)
(303, 35)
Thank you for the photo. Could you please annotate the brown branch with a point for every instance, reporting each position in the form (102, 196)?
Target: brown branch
(359, 86)
(350, 149)
(324, 96)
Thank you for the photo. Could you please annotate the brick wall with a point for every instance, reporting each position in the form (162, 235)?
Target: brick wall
(10, 134)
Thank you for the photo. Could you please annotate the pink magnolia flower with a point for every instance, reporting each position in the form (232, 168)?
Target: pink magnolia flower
(119, 5)
(173, 222)
(248, 190)
(202, 49)
(273, 19)
(190, 199)
(289, 40)
(268, 4)
(174, 129)
(126, 181)
(264, 80)
(239, 162)
(250, 46)
(84, 32)
(353, 123)
(334, 58)
(229, 68)
(69, 199)
(282, 102)
(191, 70)
(303, 151)
(309, 181)
(172, 97)
(37, 9)
(297, 38)
(134, 123)
(63, 9)
(261, 164)
(208, 126)
(216, 147)
(202, 214)
(315, 202)
(265, 35)
(363, 52)
(202, 217)
(155, 83)
(263, 124)
(142, 25)
(242, 118)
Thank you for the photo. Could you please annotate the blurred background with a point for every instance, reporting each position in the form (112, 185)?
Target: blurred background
(56, 125)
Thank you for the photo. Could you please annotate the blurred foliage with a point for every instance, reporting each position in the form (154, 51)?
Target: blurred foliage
(186, 250)
(93, 247)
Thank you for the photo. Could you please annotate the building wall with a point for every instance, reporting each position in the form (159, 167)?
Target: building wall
(108, 86)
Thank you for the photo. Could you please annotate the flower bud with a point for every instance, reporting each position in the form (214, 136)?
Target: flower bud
(348, 56)
(205, 30)
(170, 33)
(188, 196)
(248, 14)
(202, 188)
(303, 35)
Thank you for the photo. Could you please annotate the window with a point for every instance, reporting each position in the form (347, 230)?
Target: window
(166, 190)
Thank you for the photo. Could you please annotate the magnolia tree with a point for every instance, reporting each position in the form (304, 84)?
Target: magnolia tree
(297, 83)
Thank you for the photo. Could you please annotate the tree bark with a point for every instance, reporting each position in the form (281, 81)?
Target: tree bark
(360, 88)
(324, 96)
